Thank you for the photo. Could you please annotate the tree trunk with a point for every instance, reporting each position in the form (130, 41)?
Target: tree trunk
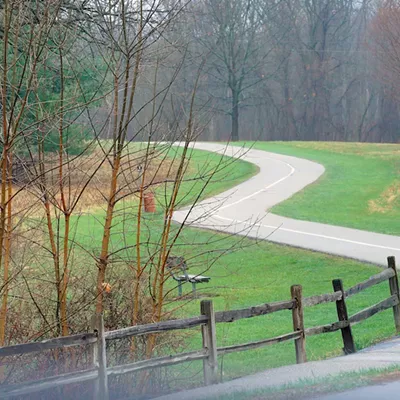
(7, 256)
(103, 259)
(235, 117)
(65, 279)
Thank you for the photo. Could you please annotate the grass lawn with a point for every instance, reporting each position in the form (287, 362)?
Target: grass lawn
(360, 188)
(264, 272)
(246, 273)
(88, 226)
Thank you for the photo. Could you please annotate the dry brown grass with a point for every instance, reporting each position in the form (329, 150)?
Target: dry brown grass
(86, 182)
(389, 200)
(365, 149)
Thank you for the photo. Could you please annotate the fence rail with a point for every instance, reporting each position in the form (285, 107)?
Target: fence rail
(99, 372)
(57, 343)
(155, 328)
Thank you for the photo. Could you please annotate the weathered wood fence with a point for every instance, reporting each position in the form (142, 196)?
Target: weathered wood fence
(209, 352)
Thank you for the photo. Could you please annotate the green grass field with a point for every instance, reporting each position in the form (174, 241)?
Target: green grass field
(264, 272)
(360, 188)
(88, 226)
(246, 273)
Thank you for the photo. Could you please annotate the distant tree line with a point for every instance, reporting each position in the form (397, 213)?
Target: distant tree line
(290, 69)
(270, 69)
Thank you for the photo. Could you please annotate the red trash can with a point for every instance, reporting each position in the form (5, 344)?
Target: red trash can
(149, 202)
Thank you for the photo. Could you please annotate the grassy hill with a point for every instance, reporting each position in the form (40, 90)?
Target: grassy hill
(360, 188)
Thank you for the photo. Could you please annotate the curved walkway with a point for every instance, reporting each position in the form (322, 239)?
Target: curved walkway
(379, 357)
(244, 209)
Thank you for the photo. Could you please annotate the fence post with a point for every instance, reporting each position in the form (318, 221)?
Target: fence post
(394, 290)
(298, 323)
(208, 331)
(100, 391)
(341, 308)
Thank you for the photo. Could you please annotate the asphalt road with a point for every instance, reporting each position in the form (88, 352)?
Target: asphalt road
(378, 357)
(388, 391)
(244, 209)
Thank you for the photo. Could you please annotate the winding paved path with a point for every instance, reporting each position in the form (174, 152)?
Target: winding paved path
(244, 209)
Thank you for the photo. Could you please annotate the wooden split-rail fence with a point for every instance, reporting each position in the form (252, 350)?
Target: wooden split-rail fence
(99, 373)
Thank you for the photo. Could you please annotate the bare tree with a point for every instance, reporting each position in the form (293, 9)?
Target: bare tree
(230, 31)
